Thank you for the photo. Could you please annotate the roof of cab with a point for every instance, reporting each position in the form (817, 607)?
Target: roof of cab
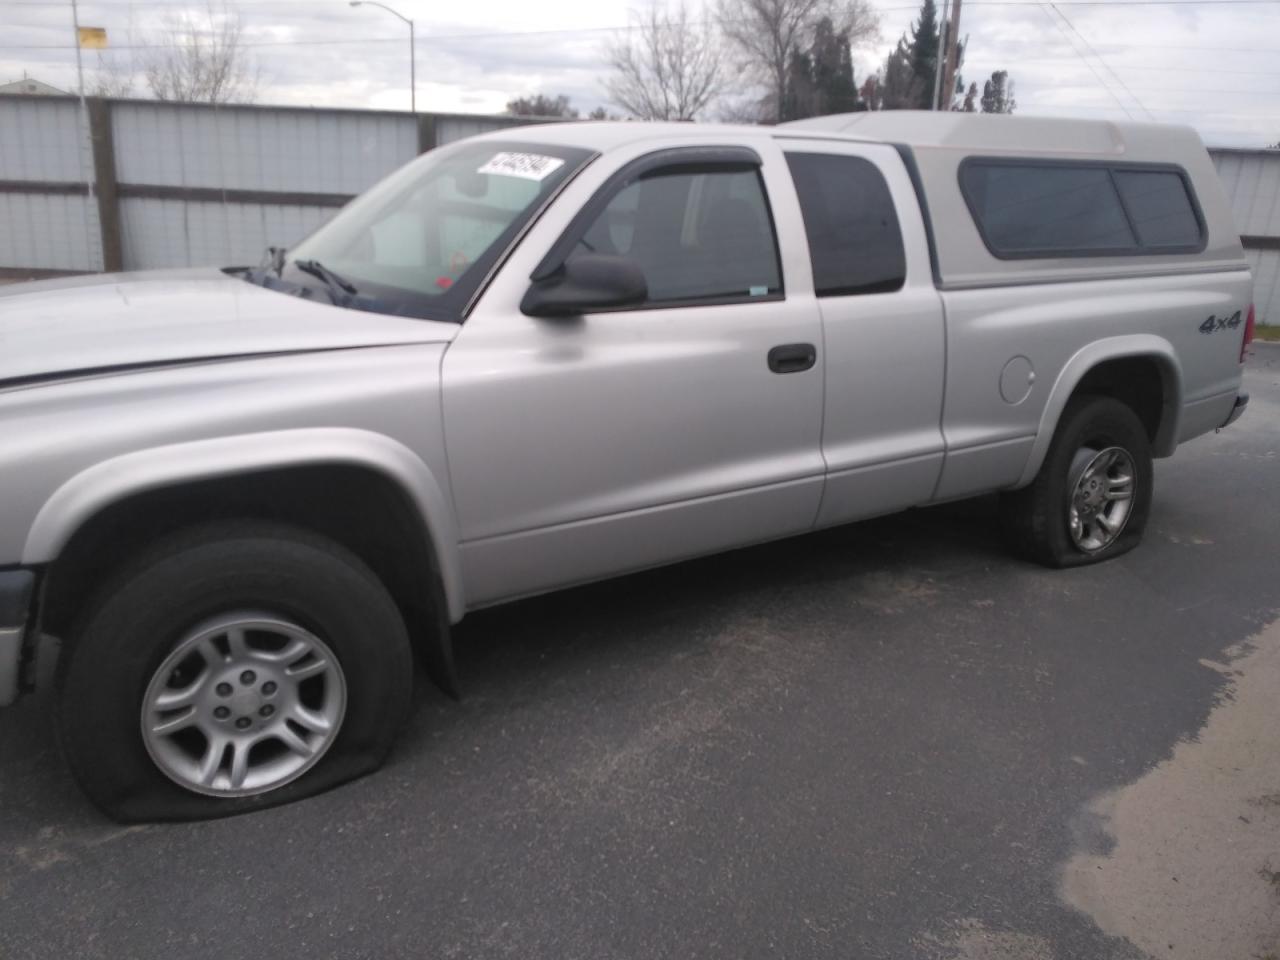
(604, 135)
(921, 129)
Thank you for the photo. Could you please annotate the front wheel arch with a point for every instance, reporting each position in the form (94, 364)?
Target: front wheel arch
(377, 522)
(135, 621)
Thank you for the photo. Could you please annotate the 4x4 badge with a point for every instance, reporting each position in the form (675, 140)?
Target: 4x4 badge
(1220, 323)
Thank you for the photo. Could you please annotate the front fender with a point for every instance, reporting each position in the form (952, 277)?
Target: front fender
(85, 494)
(1088, 357)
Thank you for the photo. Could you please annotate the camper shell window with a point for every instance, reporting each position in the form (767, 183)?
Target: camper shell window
(1027, 208)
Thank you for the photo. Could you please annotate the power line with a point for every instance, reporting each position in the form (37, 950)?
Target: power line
(1178, 69)
(503, 34)
(1262, 94)
(1275, 52)
(1097, 76)
(1098, 57)
(311, 4)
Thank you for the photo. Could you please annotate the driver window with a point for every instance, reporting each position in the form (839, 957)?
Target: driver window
(696, 236)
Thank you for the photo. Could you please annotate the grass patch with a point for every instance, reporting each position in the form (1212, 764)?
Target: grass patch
(1267, 331)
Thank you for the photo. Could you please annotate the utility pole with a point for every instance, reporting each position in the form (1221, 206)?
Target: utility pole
(953, 36)
(940, 68)
(86, 144)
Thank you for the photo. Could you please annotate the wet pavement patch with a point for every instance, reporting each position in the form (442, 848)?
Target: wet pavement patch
(1193, 865)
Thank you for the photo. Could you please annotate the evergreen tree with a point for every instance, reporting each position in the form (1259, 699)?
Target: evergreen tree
(909, 73)
(997, 94)
(798, 101)
(820, 79)
(898, 89)
(833, 69)
(924, 55)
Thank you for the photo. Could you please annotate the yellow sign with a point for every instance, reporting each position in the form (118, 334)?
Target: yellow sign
(93, 38)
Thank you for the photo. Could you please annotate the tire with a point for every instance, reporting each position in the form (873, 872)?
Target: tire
(1037, 519)
(272, 590)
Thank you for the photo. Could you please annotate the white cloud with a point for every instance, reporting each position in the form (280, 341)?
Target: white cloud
(1213, 66)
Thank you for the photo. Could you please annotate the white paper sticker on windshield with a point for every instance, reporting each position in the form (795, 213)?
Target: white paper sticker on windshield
(526, 166)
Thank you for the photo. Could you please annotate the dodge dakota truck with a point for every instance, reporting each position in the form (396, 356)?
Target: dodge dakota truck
(237, 504)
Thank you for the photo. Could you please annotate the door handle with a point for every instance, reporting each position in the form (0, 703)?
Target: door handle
(792, 357)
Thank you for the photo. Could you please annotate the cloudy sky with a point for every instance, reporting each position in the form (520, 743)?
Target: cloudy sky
(1214, 64)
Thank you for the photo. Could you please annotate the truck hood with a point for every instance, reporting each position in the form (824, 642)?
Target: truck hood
(76, 326)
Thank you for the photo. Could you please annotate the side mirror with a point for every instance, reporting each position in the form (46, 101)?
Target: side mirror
(586, 282)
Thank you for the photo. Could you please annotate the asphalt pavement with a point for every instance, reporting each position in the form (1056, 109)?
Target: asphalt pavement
(888, 740)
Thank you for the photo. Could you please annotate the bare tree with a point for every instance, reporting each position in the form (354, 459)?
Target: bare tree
(541, 105)
(668, 67)
(112, 77)
(765, 32)
(201, 58)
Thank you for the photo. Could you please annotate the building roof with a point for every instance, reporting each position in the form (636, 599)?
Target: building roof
(30, 85)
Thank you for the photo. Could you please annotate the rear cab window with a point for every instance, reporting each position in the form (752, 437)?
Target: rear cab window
(1033, 208)
(855, 241)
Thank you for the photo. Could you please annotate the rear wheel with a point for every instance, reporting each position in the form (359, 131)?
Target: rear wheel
(231, 668)
(1091, 498)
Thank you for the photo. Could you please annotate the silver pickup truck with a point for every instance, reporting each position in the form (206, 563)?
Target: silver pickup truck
(237, 502)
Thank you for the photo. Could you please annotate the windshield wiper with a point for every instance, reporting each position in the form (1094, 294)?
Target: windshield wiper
(340, 289)
(275, 259)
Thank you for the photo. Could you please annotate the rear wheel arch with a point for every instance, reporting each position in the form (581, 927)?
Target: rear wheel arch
(1142, 372)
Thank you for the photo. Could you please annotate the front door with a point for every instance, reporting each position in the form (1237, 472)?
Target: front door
(588, 446)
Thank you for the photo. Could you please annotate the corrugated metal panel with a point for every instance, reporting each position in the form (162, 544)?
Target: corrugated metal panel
(259, 149)
(1265, 265)
(189, 145)
(1252, 182)
(174, 233)
(40, 140)
(47, 232)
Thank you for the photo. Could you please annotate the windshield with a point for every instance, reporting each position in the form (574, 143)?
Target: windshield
(422, 241)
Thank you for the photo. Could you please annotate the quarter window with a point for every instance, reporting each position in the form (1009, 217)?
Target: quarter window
(1033, 209)
(697, 236)
(1160, 207)
(855, 242)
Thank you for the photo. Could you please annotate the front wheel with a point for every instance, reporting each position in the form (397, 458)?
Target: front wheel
(1091, 498)
(231, 668)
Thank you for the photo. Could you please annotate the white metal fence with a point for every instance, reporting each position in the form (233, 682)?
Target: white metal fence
(47, 220)
(192, 184)
(187, 184)
(1252, 181)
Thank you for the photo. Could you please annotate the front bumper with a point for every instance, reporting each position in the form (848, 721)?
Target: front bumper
(1242, 401)
(17, 590)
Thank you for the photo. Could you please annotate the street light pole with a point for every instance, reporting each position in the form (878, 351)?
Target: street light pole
(413, 70)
